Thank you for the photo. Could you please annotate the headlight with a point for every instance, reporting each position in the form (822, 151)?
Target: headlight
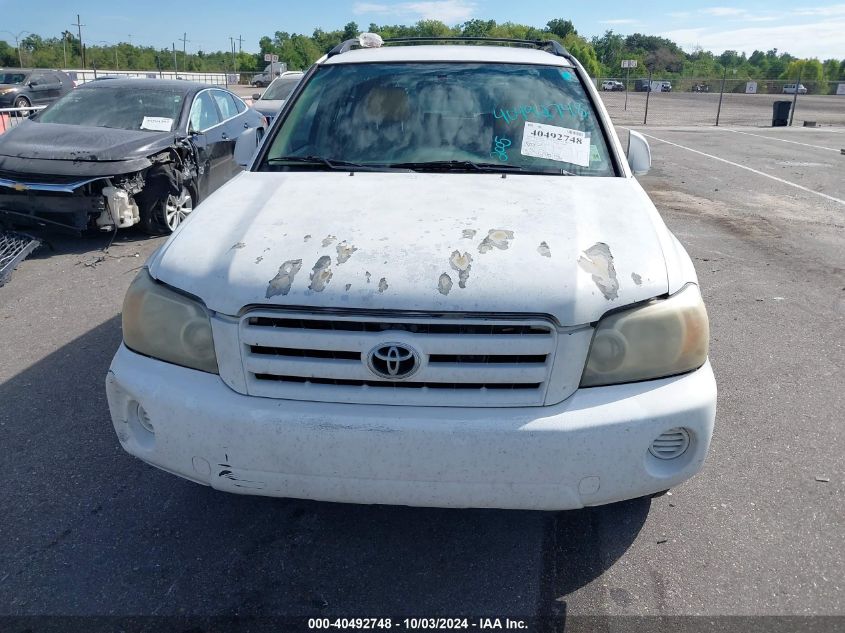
(164, 324)
(662, 338)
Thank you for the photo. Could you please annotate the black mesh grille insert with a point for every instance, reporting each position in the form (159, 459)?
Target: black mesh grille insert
(419, 328)
(463, 386)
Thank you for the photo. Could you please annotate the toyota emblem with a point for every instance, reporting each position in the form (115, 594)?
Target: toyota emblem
(393, 361)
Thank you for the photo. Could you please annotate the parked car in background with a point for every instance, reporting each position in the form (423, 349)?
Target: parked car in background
(269, 103)
(270, 73)
(491, 313)
(643, 85)
(22, 87)
(612, 85)
(789, 89)
(112, 154)
(700, 87)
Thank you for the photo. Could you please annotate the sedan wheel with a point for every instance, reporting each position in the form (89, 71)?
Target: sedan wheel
(22, 102)
(178, 208)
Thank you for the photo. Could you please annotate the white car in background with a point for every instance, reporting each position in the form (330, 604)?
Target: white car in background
(271, 101)
(612, 85)
(789, 89)
(438, 283)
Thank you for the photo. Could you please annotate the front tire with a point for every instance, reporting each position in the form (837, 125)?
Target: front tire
(22, 102)
(166, 215)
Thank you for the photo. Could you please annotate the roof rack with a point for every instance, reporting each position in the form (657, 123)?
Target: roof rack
(552, 46)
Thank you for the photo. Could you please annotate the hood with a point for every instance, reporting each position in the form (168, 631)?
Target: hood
(268, 106)
(79, 143)
(569, 247)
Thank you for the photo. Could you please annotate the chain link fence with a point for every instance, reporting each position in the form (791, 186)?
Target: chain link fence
(704, 101)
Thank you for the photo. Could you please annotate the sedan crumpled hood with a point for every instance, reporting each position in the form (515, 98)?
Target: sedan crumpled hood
(569, 247)
(80, 143)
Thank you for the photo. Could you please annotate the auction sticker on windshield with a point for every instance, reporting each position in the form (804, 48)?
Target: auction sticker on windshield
(157, 123)
(556, 143)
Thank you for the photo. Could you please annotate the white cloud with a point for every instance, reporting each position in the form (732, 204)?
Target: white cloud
(735, 14)
(833, 9)
(820, 39)
(723, 11)
(620, 21)
(448, 11)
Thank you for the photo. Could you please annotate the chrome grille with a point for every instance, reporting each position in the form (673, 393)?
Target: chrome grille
(473, 362)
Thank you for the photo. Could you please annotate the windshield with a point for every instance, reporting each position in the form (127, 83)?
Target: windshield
(129, 108)
(281, 88)
(12, 78)
(505, 116)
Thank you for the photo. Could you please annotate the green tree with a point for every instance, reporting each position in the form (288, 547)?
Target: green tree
(350, 31)
(810, 70)
(561, 27)
(477, 28)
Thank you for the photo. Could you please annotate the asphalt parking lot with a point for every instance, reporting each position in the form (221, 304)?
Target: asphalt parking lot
(701, 108)
(89, 530)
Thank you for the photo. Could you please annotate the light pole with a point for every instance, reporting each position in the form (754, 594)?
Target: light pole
(17, 44)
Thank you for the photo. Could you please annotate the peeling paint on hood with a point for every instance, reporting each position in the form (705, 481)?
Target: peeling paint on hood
(425, 217)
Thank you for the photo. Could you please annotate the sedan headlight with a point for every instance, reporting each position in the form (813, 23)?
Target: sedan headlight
(164, 324)
(661, 338)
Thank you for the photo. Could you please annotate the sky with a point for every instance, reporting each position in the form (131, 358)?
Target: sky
(806, 29)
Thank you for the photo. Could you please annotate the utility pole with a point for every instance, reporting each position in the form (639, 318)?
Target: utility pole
(240, 44)
(795, 96)
(79, 26)
(18, 44)
(232, 44)
(175, 68)
(721, 92)
(184, 40)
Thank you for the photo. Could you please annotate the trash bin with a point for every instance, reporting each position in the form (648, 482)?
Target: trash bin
(780, 113)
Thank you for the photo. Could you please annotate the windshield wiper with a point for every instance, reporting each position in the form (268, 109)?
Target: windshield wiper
(316, 160)
(454, 165)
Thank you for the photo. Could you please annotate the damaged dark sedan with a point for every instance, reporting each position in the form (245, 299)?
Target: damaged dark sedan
(111, 155)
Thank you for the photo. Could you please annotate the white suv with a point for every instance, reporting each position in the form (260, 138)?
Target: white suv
(438, 283)
(612, 85)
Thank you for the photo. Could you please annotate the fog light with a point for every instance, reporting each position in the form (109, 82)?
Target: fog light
(144, 419)
(670, 444)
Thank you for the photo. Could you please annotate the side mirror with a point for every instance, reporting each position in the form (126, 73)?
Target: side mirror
(245, 147)
(256, 96)
(639, 153)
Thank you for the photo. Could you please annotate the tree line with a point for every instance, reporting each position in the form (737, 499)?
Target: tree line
(600, 55)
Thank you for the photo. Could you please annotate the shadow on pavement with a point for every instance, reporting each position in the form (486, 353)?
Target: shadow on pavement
(91, 530)
(57, 242)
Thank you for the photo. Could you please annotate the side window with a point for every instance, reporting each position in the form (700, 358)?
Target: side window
(240, 105)
(37, 78)
(225, 103)
(204, 113)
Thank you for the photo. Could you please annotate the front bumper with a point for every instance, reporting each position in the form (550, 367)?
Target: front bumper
(589, 450)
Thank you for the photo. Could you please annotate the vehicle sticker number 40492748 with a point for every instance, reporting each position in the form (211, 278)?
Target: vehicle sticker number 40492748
(556, 143)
